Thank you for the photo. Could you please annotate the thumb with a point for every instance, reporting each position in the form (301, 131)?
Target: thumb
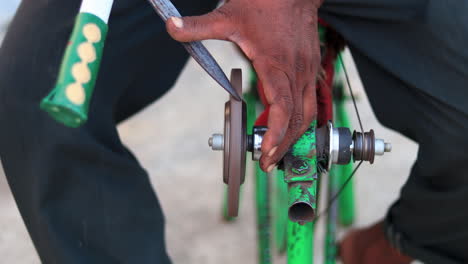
(195, 28)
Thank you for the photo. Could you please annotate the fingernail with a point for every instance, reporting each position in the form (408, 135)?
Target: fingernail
(179, 23)
(270, 169)
(272, 151)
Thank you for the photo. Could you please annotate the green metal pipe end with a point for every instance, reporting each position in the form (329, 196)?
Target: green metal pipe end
(301, 212)
(302, 201)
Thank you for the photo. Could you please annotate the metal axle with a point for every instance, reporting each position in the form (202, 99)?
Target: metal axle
(337, 145)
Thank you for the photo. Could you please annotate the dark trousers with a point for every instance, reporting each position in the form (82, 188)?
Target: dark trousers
(428, 220)
(83, 196)
(85, 199)
(412, 59)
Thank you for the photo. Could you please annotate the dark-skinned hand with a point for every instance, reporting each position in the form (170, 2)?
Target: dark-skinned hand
(280, 38)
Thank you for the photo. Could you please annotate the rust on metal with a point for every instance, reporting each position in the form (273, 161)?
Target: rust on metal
(364, 146)
(302, 201)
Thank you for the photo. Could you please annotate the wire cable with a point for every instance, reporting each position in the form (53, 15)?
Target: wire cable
(351, 92)
(350, 177)
(338, 193)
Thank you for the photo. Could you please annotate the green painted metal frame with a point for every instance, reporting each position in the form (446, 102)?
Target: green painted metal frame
(280, 215)
(330, 250)
(300, 173)
(262, 194)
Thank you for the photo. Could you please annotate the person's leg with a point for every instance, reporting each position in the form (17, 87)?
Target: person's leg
(415, 75)
(83, 197)
(159, 56)
(428, 215)
(422, 42)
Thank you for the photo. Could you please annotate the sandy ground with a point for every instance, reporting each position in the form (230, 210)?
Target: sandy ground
(174, 131)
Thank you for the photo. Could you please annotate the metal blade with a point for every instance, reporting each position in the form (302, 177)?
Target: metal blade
(197, 50)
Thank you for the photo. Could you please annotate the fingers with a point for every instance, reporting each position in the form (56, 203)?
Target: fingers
(278, 120)
(278, 95)
(302, 116)
(271, 158)
(214, 25)
(285, 117)
(310, 106)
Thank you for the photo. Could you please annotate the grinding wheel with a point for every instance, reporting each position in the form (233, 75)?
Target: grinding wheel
(235, 144)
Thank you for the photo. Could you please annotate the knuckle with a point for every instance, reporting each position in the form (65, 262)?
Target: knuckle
(296, 121)
(300, 66)
(228, 26)
(279, 58)
(193, 23)
(233, 34)
(287, 100)
(224, 13)
(286, 103)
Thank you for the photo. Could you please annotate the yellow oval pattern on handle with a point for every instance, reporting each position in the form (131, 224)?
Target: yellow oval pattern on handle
(80, 70)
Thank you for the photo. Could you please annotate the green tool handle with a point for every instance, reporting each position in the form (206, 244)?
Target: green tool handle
(69, 101)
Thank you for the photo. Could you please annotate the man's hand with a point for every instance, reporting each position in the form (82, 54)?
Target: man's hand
(280, 38)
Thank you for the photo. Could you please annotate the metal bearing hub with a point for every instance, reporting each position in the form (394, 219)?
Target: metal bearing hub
(255, 141)
(338, 146)
(233, 144)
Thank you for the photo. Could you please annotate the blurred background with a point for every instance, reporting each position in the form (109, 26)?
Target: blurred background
(7, 10)
(174, 131)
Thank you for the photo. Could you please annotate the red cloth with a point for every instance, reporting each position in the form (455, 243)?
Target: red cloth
(262, 120)
(324, 89)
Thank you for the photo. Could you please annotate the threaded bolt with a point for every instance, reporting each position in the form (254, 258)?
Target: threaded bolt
(216, 142)
(388, 147)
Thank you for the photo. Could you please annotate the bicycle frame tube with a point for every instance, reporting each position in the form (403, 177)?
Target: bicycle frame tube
(280, 194)
(300, 169)
(331, 228)
(300, 243)
(262, 196)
